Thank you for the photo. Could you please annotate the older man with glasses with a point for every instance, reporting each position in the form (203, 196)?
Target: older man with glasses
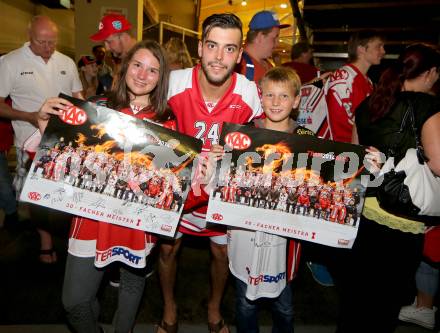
(30, 75)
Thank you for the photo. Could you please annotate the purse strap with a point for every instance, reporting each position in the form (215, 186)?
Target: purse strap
(408, 116)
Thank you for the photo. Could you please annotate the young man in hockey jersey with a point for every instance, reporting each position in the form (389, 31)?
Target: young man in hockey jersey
(350, 85)
(202, 98)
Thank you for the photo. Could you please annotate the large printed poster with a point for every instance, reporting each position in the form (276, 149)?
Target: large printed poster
(102, 164)
(291, 185)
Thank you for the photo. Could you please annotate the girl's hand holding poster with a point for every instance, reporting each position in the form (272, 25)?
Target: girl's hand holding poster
(102, 164)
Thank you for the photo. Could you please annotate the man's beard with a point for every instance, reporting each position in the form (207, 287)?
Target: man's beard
(214, 81)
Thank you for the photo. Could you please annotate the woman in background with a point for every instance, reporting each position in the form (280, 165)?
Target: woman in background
(380, 268)
(177, 54)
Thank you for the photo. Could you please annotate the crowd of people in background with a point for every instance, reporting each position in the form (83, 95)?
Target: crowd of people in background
(166, 85)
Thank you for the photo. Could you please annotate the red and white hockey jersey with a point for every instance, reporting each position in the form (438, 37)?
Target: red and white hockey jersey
(240, 104)
(109, 242)
(347, 88)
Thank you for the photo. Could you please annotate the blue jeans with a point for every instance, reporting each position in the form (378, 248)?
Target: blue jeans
(7, 195)
(427, 279)
(247, 311)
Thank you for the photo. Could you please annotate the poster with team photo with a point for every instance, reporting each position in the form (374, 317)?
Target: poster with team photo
(102, 164)
(292, 185)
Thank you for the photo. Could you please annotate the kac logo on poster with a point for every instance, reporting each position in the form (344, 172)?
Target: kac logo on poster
(74, 116)
(217, 217)
(34, 196)
(238, 140)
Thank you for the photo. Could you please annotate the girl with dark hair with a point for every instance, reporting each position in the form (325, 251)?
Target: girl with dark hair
(140, 92)
(380, 268)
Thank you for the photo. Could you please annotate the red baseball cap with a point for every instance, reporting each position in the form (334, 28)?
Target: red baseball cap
(86, 60)
(109, 25)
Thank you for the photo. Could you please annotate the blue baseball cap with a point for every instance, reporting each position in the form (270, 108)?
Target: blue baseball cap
(265, 20)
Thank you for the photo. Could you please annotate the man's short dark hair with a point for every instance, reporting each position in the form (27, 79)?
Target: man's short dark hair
(361, 38)
(299, 48)
(223, 21)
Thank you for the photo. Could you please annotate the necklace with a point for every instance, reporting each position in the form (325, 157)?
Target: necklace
(137, 108)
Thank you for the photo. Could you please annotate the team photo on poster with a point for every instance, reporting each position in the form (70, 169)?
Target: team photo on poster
(290, 185)
(99, 163)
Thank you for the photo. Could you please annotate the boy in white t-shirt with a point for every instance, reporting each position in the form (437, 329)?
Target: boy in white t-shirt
(263, 264)
(265, 271)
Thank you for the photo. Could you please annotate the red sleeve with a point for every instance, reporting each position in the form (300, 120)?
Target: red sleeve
(339, 115)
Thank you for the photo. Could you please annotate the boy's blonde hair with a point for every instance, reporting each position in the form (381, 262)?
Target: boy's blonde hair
(283, 74)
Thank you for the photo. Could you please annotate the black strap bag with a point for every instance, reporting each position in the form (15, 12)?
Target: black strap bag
(409, 189)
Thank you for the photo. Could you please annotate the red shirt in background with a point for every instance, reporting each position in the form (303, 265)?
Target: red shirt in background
(6, 131)
(305, 72)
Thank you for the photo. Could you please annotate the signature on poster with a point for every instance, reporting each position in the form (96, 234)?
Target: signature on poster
(58, 195)
(139, 210)
(100, 203)
(77, 197)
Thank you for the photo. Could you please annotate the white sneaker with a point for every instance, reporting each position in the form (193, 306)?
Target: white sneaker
(420, 316)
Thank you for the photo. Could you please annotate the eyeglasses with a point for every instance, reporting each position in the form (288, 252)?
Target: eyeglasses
(49, 43)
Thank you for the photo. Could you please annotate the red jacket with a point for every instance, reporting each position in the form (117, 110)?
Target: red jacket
(6, 131)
